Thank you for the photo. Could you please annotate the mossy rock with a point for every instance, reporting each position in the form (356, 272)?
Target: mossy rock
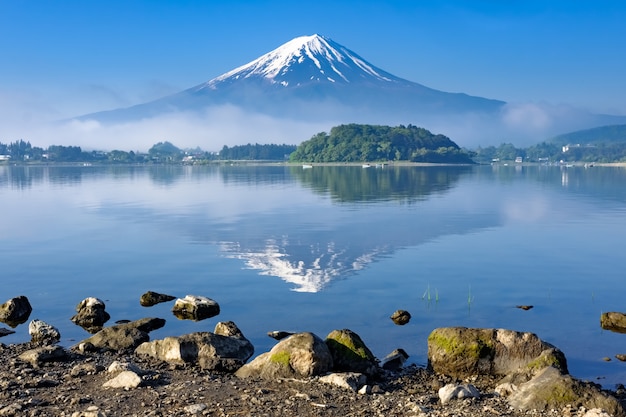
(349, 352)
(550, 389)
(613, 321)
(300, 355)
(462, 352)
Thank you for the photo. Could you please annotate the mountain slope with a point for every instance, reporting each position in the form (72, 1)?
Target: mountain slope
(308, 77)
(312, 83)
(602, 134)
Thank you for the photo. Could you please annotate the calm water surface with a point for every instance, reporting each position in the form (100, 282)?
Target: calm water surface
(286, 248)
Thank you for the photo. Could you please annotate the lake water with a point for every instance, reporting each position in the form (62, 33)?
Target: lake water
(286, 248)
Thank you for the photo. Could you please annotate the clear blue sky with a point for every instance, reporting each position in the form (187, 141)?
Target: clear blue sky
(69, 57)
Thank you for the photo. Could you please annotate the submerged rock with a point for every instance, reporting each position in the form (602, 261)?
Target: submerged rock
(15, 311)
(91, 314)
(613, 321)
(194, 307)
(121, 337)
(5, 332)
(401, 317)
(151, 298)
(278, 334)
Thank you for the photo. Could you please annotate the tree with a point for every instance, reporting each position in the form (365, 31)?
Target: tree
(365, 143)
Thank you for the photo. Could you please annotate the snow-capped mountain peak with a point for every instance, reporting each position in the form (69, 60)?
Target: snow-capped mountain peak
(306, 60)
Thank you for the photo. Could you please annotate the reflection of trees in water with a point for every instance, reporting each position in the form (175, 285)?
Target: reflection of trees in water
(403, 183)
(256, 174)
(599, 182)
(21, 177)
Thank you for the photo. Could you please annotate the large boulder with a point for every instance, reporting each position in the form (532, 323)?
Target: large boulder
(349, 353)
(613, 321)
(224, 350)
(550, 389)
(121, 337)
(300, 355)
(464, 352)
(15, 311)
(194, 307)
(91, 314)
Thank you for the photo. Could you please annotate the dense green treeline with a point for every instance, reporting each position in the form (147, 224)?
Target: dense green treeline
(269, 152)
(370, 143)
(552, 152)
(350, 143)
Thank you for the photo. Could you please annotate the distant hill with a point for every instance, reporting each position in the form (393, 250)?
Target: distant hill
(371, 143)
(599, 135)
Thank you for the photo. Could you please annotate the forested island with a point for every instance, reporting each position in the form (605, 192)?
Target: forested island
(351, 143)
(369, 143)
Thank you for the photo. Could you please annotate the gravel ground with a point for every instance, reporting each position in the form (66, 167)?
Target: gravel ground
(74, 387)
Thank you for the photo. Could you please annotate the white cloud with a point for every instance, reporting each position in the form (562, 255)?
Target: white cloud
(210, 130)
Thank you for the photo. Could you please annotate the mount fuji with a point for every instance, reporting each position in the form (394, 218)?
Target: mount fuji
(313, 79)
(309, 77)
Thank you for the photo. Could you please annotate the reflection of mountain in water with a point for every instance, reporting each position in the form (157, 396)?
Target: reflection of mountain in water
(313, 246)
(379, 182)
(310, 244)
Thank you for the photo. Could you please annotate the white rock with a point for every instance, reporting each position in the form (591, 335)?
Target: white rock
(92, 411)
(125, 380)
(195, 408)
(349, 380)
(505, 389)
(117, 366)
(451, 391)
(41, 331)
(365, 389)
(596, 412)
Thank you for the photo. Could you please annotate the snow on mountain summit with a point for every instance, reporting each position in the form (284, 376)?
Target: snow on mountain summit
(305, 60)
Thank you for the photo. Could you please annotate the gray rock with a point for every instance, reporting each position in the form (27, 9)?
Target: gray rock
(151, 298)
(92, 411)
(459, 391)
(462, 352)
(121, 337)
(194, 307)
(225, 350)
(91, 314)
(124, 380)
(195, 408)
(301, 355)
(613, 321)
(395, 360)
(83, 369)
(117, 367)
(352, 381)
(44, 354)
(401, 317)
(550, 389)
(43, 333)
(5, 332)
(278, 334)
(349, 352)
(15, 311)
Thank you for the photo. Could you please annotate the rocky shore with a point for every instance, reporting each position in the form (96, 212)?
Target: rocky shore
(119, 371)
